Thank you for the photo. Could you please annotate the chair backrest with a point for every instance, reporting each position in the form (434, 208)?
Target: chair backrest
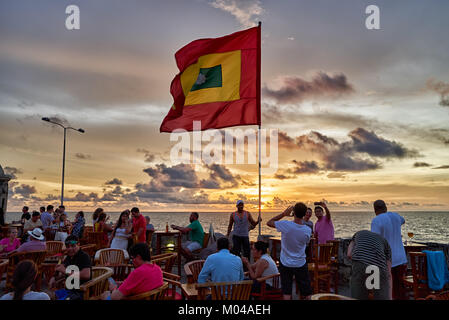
(323, 254)
(329, 296)
(236, 290)
(121, 271)
(155, 294)
(273, 294)
(111, 257)
(98, 284)
(54, 247)
(173, 281)
(166, 261)
(193, 269)
(37, 256)
(418, 261)
(96, 238)
(90, 249)
(335, 246)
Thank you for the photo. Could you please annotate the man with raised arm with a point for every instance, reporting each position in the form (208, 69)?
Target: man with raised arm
(295, 236)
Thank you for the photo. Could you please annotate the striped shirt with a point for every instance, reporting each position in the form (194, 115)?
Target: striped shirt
(371, 248)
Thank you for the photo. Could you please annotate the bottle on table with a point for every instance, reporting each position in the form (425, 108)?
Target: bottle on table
(166, 227)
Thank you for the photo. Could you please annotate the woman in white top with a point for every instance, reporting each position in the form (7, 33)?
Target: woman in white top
(23, 278)
(263, 267)
(122, 232)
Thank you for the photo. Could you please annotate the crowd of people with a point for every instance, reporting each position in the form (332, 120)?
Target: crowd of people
(381, 246)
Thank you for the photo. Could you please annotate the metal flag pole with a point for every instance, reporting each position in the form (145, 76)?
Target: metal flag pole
(259, 31)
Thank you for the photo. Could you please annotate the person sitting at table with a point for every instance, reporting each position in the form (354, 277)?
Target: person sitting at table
(102, 226)
(222, 266)
(10, 243)
(145, 277)
(122, 232)
(34, 222)
(196, 236)
(264, 266)
(75, 257)
(23, 278)
(36, 242)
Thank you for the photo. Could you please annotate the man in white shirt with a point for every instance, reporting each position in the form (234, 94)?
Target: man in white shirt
(388, 225)
(295, 236)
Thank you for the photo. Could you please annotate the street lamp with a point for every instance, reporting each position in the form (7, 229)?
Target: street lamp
(63, 152)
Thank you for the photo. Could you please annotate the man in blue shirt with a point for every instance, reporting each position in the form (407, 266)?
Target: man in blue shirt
(222, 266)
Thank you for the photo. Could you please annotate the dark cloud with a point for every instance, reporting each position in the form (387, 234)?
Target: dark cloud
(295, 89)
(84, 197)
(24, 190)
(114, 181)
(442, 89)
(12, 172)
(442, 167)
(304, 167)
(421, 164)
(149, 157)
(358, 154)
(83, 156)
(372, 144)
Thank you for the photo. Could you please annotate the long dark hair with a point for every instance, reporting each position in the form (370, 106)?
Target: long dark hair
(97, 213)
(23, 277)
(119, 222)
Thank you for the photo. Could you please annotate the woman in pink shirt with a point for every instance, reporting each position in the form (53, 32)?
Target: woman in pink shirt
(10, 243)
(324, 229)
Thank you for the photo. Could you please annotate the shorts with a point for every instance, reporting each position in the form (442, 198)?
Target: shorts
(191, 245)
(301, 275)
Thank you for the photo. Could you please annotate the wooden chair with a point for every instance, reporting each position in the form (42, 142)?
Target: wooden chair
(96, 238)
(275, 293)
(192, 270)
(90, 249)
(321, 266)
(334, 262)
(173, 281)
(166, 262)
(110, 257)
(417, 282)
(155, 294)
(54, 250)
(3, 267)
(121, 271)
(37, 256)
(236, 290)
(94, 288)
(86, 230)
(329, 296)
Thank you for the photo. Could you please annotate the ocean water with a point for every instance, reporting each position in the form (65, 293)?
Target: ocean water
(427, 226)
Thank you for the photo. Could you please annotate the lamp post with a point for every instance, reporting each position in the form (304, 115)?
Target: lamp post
(63, 152)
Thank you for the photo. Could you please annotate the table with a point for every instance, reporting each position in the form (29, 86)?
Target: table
(189, 291)
(414, 247)
(177, 234)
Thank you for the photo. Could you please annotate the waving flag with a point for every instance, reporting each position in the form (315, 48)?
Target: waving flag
(218, 83)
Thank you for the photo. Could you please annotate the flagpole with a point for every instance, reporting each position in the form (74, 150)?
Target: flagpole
(259, 49)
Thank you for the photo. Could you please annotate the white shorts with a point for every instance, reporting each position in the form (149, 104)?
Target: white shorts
(191, 245)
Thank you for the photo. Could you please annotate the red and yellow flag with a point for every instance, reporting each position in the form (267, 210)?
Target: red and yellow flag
(218, 83)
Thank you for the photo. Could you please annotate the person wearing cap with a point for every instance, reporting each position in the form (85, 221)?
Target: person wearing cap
(243, 222)
(36, 243)
(75, 257)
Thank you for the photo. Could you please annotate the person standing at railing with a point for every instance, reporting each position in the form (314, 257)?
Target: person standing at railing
(388, 225)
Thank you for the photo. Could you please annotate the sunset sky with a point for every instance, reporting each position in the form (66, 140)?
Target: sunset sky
(362, 114)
